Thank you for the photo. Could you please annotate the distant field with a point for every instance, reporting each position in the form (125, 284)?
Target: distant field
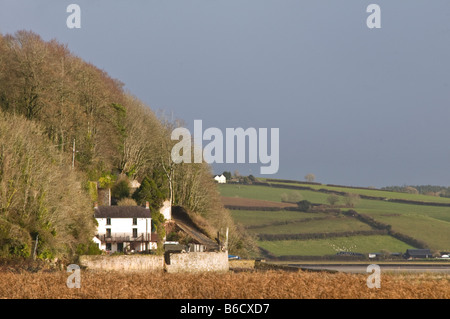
(434, 232)
(320, 247)
(386, 208)
(254, 218)
(329, 225)
(238, 201)
(374, 192)
(428, 224)
(268, 193)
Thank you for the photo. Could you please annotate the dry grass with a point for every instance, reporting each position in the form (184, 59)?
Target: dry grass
(243, 285)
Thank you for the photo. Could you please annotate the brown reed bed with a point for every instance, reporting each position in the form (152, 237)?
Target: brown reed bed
(243, 285)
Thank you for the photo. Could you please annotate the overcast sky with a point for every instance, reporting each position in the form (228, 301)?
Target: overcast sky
(355, 106)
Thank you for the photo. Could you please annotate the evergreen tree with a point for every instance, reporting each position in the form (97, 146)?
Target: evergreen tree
(120, 190)
(149, 192)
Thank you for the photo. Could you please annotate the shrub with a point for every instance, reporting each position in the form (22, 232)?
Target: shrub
(126, 202)
(291, 197)
(89, 249)
(121, 189)
(304, 205)
(351, 199)
(333, 199)
(14, 240)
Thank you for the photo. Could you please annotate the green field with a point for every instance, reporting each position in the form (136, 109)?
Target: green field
(426, 223)
(432, 231)
(429, 224)
(373, 192)
(255, 217)
(320, 247)
(329, 225)
(269, 193)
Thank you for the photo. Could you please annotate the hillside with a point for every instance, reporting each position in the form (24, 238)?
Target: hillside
(368, 221)
(91, 128)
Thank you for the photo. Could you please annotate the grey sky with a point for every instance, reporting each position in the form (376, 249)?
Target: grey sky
(354, 105)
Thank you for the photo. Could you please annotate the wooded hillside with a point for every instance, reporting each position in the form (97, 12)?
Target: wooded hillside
(51, 100)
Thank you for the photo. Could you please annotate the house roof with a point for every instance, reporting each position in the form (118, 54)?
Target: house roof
(121, 212)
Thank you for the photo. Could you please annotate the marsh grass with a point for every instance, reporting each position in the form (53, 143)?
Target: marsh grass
(230, 285)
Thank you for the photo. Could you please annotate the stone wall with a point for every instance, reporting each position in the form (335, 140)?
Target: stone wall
(123, 262)
(176, 262)
(198, 262)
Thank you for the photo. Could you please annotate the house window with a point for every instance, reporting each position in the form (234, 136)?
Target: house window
(108, 232)
(135, 233)
(134, 221)
(108, 246)
(108, 221)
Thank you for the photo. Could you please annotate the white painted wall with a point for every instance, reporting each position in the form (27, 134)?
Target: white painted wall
(124, 226)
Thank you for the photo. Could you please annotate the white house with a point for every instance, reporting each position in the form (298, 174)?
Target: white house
(220, 179)
(124, 228)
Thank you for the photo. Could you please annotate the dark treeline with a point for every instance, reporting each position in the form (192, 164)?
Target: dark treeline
(305, 236)
(432, 190)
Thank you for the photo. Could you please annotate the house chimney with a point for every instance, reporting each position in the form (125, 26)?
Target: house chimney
(147, 205)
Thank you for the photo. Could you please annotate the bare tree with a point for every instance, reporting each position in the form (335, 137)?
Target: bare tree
(39, 193)
(28, 71)
(332, 199)
(411, 190)
(310, 177)
(292, 197)
(168, 166)
(136, 156)
(351, 199)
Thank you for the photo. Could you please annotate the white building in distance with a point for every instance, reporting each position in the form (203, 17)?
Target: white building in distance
(220, 179)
